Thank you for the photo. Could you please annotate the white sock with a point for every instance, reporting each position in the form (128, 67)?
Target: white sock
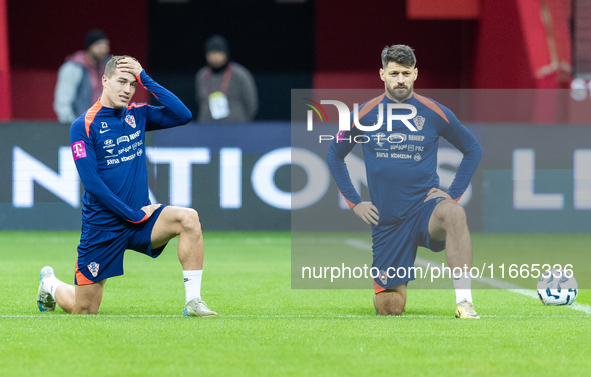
(50, 284)
(463, 286)
(192, 284)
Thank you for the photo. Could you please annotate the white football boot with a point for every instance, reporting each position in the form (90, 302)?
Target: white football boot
(465, 309)
(198, 308)
(45, 302)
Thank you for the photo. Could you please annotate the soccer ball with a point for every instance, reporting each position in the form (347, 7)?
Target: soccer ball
(556, 288)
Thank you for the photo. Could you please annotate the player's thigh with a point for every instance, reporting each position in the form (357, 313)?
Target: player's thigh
(89, 297)
(171, 222)
(444, 214)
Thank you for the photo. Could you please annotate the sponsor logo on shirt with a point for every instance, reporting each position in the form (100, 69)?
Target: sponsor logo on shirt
(135, 134)
(382, 154)
(123, 150)
(380, 139)
(417, 157)
(104, 127)
(416, 137)
(128, 158)
(108, 143)
(78, 150)
(403, 156)
(397, 138)
(418, 148)
(122, 139)
(112, 161)
(137, 144)
(399, 147)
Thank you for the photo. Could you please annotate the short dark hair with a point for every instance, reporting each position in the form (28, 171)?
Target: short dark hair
(112, 64)
(399, 54)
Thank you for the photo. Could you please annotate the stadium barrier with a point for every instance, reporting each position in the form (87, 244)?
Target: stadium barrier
(248, 177)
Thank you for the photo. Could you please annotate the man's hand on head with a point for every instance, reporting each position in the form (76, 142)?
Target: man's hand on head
(368, 213)
(129, 65)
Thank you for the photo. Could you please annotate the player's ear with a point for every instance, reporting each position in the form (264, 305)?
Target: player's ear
(382, 74)
(104, 80)
(416, 73)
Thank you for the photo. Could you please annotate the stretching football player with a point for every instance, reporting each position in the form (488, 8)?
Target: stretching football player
(109, 152)
(407, 209)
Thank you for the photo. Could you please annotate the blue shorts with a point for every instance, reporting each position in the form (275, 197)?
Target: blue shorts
(100, 253)
(395, 246)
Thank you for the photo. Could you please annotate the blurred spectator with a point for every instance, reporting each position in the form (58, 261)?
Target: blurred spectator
(225, 90)
(79, 79)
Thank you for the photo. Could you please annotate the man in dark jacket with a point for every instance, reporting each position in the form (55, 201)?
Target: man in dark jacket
(79, 78)
(225, 90)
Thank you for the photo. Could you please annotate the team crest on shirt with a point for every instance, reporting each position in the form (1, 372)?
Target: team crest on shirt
(383, 277)
(130, 120)
(419, 122)
(93, 268)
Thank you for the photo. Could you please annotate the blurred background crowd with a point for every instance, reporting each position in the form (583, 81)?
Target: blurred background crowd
(279, 45)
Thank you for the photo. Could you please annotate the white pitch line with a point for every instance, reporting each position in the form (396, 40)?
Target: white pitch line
(221, 316)
(360, 244)
(311, 316)
(364, 245)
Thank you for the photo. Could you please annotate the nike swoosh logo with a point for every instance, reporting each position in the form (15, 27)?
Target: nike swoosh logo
(103, 131)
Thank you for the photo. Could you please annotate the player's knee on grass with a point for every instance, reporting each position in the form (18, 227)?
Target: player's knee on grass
(88, 298)
(85, 307)
(390, 302)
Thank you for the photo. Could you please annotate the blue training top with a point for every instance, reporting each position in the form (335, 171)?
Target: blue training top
(109, 151)
(401, 164)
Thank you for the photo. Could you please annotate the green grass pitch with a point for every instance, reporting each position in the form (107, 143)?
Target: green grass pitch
(266, 328)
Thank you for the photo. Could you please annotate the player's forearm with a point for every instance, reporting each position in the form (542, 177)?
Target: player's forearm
(112, 203)
(176, 107)
(340, 173)
(465, 172)
(99, 190)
